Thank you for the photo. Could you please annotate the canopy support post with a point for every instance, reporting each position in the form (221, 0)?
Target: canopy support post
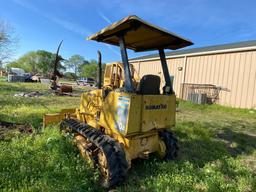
(127, 72)
(168, 89)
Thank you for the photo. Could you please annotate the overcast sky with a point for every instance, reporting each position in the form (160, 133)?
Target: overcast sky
(42, 24)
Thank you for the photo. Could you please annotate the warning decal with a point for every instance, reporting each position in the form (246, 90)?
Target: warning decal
(122, 113)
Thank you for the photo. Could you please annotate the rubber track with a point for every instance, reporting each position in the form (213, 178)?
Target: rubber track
(113, 151)
(171, 143)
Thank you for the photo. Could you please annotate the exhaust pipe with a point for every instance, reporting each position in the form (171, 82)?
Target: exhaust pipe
(99, 84)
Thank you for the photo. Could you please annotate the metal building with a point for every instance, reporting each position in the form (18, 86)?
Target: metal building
(227, 73)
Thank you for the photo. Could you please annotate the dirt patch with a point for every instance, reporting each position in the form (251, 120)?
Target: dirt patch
(8, 129)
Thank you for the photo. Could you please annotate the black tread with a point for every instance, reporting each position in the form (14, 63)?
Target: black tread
(171, 143)
(113, 151)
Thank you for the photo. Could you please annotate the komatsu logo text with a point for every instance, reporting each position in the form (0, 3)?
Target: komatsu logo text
(155, 107)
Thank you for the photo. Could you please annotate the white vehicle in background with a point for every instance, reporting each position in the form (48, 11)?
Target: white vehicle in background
(86, 81)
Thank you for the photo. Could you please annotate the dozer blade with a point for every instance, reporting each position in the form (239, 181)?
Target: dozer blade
(58, 117)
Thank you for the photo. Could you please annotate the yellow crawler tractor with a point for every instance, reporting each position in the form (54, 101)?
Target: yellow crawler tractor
(131, 119)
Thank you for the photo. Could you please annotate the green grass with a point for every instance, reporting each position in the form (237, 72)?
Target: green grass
(43, 162)
(217, 150)
(31, 110)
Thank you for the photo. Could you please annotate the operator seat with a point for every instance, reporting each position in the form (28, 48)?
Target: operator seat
(149, 85)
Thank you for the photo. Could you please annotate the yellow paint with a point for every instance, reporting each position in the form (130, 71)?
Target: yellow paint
(146, 115)
(157, 112)
(114, 75)
(57, 117)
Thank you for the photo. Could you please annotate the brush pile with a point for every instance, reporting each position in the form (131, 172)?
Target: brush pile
(31, 94)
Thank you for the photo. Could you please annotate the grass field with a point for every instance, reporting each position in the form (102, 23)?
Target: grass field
(217, 150)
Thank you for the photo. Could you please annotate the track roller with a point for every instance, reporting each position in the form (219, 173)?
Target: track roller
(107, 153)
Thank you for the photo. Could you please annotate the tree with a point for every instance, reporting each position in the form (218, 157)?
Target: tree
(7, 42)
(69, 76)
(80, 67)
(90, 70)
(36, 62)
(74, 63)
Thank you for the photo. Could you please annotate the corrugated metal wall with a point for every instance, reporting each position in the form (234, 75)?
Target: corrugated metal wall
(234, 72)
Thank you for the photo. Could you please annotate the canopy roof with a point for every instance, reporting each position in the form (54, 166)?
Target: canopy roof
(140, 35)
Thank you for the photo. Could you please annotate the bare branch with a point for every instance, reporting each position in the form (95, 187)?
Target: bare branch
(8, 42)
